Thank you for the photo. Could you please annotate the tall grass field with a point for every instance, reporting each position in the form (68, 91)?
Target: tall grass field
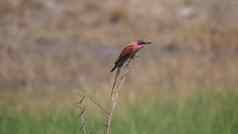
(206, 113)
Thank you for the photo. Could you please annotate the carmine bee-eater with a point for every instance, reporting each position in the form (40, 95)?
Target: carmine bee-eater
(127, 54)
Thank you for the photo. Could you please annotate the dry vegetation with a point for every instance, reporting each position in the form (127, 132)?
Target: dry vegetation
(61, 44)
(55, 58)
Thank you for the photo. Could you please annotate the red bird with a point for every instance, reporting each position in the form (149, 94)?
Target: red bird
(129, 53)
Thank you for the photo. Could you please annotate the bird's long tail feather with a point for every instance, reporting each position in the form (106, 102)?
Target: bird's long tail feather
(115, 80)
(113, 68)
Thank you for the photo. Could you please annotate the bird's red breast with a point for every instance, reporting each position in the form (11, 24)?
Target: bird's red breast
(131, 49)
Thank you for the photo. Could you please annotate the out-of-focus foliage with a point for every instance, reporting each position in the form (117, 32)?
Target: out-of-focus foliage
(73, 43)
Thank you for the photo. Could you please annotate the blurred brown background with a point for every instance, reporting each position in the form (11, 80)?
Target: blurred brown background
(68, 44)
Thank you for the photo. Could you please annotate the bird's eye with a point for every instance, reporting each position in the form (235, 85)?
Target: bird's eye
(140, 42)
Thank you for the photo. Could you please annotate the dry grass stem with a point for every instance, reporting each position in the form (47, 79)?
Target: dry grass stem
(82, 107)
(115, 94)
(98, 105)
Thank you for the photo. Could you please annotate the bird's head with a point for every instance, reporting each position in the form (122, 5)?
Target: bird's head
(141, 42)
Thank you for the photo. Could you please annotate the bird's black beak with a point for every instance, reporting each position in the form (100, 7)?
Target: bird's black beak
(147, 43)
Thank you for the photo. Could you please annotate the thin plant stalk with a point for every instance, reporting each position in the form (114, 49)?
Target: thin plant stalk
(114, 96)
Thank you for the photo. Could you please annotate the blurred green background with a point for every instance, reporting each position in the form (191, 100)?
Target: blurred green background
(51, 50)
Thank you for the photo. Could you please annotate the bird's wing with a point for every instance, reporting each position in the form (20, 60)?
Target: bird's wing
(126, 51)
